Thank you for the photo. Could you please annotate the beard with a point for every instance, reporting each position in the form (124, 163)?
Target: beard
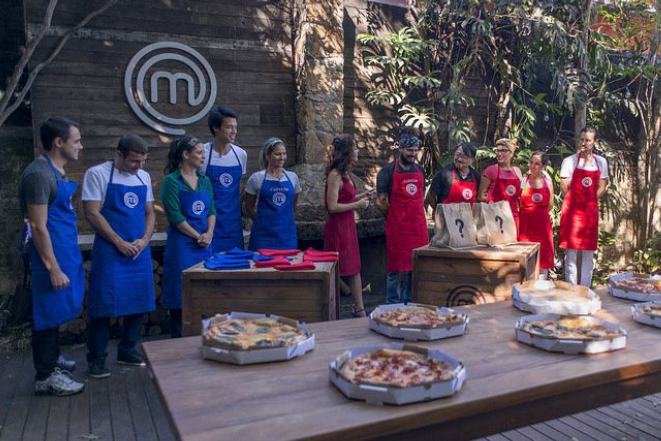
(405, 160)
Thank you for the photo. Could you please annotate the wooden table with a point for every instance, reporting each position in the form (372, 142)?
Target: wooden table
(309, 296)
(508, 384)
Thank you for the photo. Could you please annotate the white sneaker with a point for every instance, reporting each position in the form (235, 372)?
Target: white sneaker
(59, 383)
(66, 365)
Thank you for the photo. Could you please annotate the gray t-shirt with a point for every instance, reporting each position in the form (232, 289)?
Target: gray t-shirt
(38, 185)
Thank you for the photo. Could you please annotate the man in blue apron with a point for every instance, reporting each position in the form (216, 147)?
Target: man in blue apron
(225, 165)
(58, 277)
(119, 204)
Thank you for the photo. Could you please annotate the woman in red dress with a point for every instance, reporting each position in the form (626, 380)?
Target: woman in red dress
(535, 221)
(341, 202)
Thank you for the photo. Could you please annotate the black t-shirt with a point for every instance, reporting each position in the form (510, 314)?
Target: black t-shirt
(442, 182)
(384, 178)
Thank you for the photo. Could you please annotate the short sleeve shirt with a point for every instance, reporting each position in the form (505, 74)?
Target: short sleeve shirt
(384, 178)
(227, 160)
(95, 182)
(569, 165)
(38, 185)
(255, 181)
(442, 182)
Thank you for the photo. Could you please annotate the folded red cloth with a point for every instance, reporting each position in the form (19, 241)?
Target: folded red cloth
(313, 252)
(315, 258)
(272, 262)
(265, 252)
(296, 267)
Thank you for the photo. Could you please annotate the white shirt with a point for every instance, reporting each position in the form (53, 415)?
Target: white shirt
(228, 160)
(95, 182)
(569, 165)
(256, 180)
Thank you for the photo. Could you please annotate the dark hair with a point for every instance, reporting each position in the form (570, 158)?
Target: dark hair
(590, 129)
(542, 156)
(468, 148)
(132, 143)
(176, 153)
(339, 157)
(55, 127)
(217, 115)
(269, 145)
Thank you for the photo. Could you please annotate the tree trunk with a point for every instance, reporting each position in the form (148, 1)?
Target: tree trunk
(580, 107)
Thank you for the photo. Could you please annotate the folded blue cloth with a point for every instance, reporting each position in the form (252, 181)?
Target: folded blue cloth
(235, 254)
(260, 258)
(216, 264)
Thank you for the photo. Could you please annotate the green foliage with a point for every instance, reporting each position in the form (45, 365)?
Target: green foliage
(648, 259)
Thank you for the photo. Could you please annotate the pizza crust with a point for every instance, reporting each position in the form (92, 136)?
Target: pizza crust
(418, 317)
(252, 334)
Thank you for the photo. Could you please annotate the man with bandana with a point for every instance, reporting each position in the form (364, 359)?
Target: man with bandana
(400, 188)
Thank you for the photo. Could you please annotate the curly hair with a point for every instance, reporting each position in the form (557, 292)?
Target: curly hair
(339, 156)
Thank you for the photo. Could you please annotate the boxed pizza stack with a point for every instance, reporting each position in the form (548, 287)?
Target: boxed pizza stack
(570, 334)
(549, 297)
(634, 286)
(648, 313)
(396, 373)
(414, 321)
(246, 338)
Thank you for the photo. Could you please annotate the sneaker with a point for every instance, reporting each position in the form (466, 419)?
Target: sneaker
(98, 370)
(59, 384)
(132, 358)
(66, 365)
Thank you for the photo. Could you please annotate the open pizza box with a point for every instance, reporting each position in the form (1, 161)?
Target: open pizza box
(379, 394)
(420, 332)
(570, 346)
(644, 318)
(632, 293)
(549, 297)
(227, 353)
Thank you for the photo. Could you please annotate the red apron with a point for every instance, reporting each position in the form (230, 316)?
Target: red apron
(406, 225)
(461, 191)
(579, 222)
(507, 190)
(535, 222)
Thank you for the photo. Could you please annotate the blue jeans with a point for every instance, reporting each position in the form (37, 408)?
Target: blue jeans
(398, 287)
(99, 332)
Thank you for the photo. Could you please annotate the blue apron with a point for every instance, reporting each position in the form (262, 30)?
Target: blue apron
(51, 308)
(274, 226)
(120, 285)
(182, 251)
(228, 232)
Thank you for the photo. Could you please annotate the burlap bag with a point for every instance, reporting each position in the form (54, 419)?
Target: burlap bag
(454, 226)
(494, 223)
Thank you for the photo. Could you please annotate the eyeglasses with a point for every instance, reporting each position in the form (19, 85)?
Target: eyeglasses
(502, 151)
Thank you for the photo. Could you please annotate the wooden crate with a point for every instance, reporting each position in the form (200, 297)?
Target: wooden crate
(482, 275)
(309, 296)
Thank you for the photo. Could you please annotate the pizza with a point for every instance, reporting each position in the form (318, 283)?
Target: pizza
(570, 328)
(651, 310)
(258, 333)
(554, 295)
(398, 368)
(645, 285)
(418, 316)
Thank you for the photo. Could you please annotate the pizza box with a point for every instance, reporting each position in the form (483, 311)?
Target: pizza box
(587, 301)
(638, 296)
(645, 319)
(373, 394)
(213, 350)
(412, 333)
(570, 346)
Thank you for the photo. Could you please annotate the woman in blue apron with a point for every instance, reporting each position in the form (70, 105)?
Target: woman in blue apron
(120, 285)
(270, 199)
(187, 197)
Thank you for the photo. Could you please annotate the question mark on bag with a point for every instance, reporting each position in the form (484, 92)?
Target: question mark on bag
(500, 221)
(460, 225)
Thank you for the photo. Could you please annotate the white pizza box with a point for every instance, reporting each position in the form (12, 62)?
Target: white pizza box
(645, 319)
(375, 394)
(412, 333)
(570, 346)
(538, 305)
(252, 356)
(638, 296)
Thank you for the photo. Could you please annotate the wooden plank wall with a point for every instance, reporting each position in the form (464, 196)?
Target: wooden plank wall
(248, 45)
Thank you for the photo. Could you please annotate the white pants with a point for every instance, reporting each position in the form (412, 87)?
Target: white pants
(586, 263)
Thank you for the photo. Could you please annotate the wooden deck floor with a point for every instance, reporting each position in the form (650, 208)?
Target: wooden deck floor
(127, 407)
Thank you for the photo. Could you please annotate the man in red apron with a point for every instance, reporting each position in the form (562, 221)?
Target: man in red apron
(583, 181)
(400, 192)
(459, 181)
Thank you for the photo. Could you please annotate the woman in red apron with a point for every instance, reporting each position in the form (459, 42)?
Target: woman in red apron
(534, 220)
(502, 182)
